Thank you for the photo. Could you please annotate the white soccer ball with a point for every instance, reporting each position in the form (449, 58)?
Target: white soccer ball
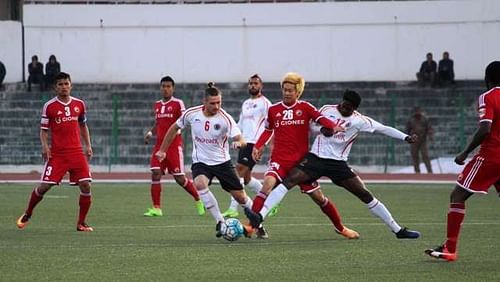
(232, 229)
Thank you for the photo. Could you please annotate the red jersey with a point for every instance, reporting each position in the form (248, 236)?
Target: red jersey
(489, 110)
(166, 113)
(63, 120)
(291, 129)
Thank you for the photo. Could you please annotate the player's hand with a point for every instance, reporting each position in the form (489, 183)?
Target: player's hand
(89, 152)
(160, 155)
(147, 137)
(236, 145)
(257, 153)
(46, 153)
(411, 138)
(460, 158)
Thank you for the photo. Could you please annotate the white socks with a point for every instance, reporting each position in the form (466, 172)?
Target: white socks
(379, 210)
(254, 185)
(211, 204)
(273, 199)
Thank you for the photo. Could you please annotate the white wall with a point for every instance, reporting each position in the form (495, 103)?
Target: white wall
(330, 41)
(11, 49)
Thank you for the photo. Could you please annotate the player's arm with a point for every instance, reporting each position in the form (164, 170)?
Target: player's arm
(263, 140)
(169, 137)
(44, 140)
(238, 142)
(84, 130)
(478, 137)
(329, 127)
(391, 131)
(150, 133)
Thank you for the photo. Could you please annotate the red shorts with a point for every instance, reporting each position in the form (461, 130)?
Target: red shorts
(174, 161)
(57, 166)
(279, 170)
(479, 174)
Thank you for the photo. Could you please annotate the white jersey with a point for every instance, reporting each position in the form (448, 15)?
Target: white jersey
(210, 134)
(339, 145)
(252, 117)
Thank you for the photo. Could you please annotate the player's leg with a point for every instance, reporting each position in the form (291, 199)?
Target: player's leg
(35, 198)
(329, 209)
(157, 168)
(188, 185)
(84, 202)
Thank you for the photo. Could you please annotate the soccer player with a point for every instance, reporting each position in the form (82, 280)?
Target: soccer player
(482, 171)
(251, 124)
(328, 157)
(64, 116)
(211, 127)
(167, 111)
(289, 121)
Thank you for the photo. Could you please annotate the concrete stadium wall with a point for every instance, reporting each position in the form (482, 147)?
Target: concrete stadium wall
(332, 41)
(11, 54)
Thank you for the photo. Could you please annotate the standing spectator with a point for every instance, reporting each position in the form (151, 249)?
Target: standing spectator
(427, 72)
(251, 123)
(166, 112)
(481, 172)
(3, 72)
(211, 129)
(446, 74)
(52, 68)
(65, 117)
(35, 69)
(419, 124)
(288, 121)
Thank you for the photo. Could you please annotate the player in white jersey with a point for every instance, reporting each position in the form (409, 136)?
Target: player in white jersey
(251, 123)
(211, 127)
(328, 157)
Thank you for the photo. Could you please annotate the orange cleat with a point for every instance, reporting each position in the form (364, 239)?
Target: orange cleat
(348, 233)
(248, 230)
(84, 227)
(441, 252)
(22, 221)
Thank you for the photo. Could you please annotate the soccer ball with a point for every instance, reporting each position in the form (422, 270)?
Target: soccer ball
(232, 229)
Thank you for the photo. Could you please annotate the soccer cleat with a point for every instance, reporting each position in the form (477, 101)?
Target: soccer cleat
(274, 210)
(255, 218)
(261, 233)
(231, 213)
(152, 212)
(348, 233)
(200, 207)
(405, 233)
(218, 229)
(248, 230)
(84, 227)
(22, 221)
(441, 253)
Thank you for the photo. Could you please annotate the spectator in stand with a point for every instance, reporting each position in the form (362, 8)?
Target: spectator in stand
(52, 68)
(35, 69)
(3, 72)
(427, 72)
(446, 74)
(419, 124)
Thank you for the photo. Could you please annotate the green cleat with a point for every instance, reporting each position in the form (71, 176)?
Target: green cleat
(200, 207)
(230, 213)
(273, 211)
(153, 212)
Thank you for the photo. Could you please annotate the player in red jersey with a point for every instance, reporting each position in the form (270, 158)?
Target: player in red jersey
(167, 111)
(289, 122)
(482, 171)
(64, 117)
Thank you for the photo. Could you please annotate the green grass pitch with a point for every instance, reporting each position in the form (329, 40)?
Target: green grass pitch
(181, 246)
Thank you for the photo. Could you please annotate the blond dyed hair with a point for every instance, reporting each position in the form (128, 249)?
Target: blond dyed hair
(296, 79)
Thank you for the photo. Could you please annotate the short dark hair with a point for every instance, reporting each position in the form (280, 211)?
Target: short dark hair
(492, 72)
(352, 97)
(211, 90)
(166, 79)
(255, 76)
(62, 75)
(34, 57)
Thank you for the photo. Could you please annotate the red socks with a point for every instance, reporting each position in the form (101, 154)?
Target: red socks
(156, 194)
(330, 210)
(34, 200)
(258, 202)
(189, 187)
(85, 201)
(456, 215)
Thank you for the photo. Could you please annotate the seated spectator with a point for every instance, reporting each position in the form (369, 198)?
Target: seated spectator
(446, 74)
(52, 68)
(427, 72)
(35, 69)
(3, 72)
